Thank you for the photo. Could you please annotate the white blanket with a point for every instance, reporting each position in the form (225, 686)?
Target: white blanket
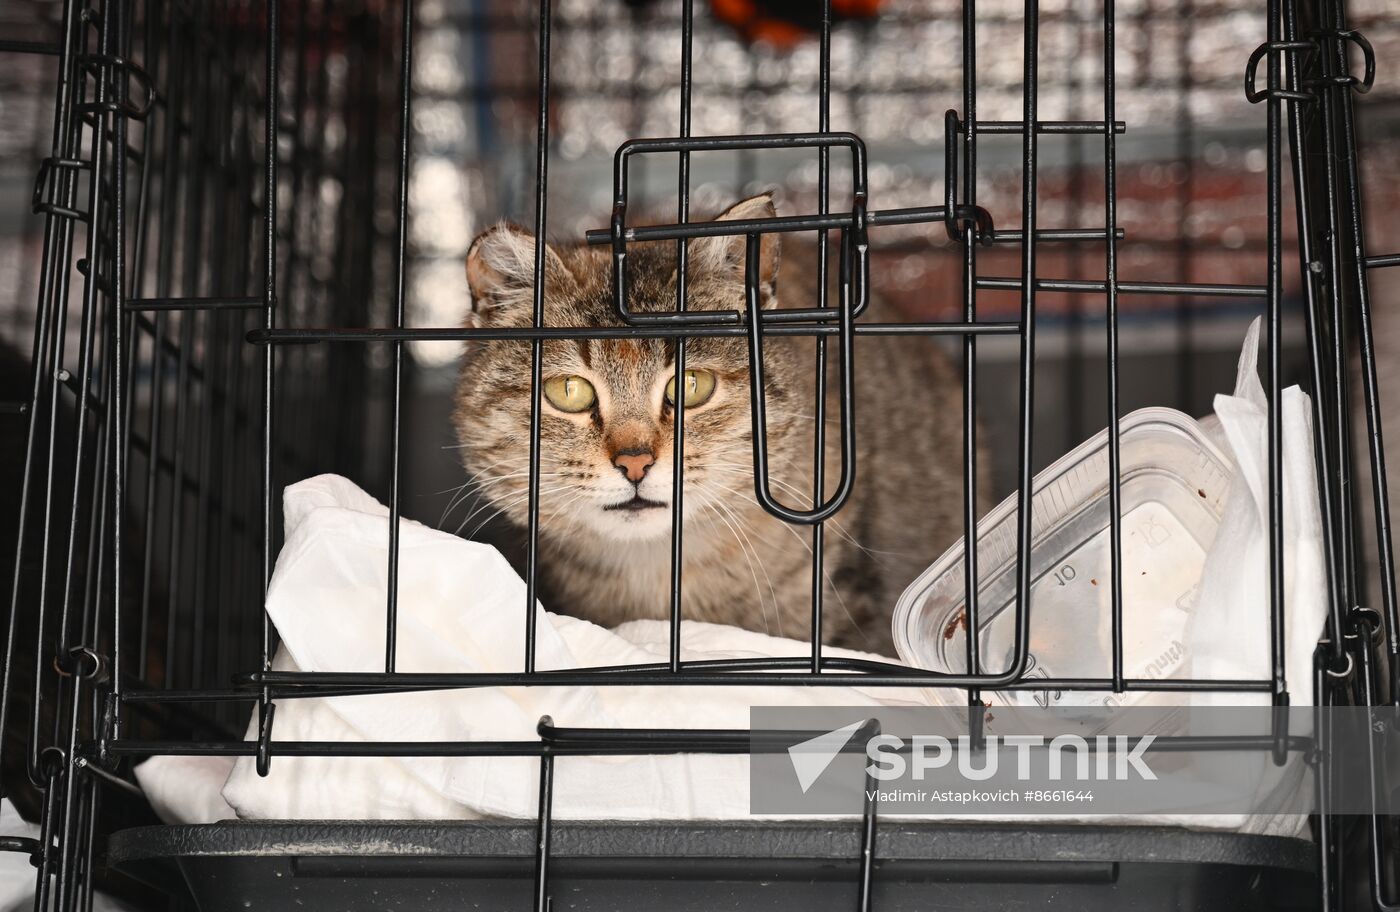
(462, 610)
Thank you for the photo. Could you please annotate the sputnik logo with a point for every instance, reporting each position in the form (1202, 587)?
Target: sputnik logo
(811, 758)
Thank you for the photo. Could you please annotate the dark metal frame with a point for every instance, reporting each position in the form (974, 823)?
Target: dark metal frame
(95, 692)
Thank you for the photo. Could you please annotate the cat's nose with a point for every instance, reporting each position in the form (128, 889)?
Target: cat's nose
(634, 463)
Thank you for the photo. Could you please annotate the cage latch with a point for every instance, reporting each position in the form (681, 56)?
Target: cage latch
(25, 845)
(854, 290)
(266, 710)
(956, 218)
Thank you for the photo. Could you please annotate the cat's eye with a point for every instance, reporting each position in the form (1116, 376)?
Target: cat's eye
(570, 394)
(699, 387)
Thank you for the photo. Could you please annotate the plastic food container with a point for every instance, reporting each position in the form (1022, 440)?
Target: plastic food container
(1175, 482)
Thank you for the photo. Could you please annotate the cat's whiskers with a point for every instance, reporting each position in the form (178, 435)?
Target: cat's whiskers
(762, 566)
(500, 507)
(834, 523)
(474, 480)
(841, 601)
(745, 452)
(483, 484)
(551, 511)
(504, 504)
(718, 505)
(473, 505)
(573, 505)
(514, 502)
(873, 553)
(459, 494)
(758, 590)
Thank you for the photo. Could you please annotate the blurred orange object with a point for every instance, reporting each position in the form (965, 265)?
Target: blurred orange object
(786, 23)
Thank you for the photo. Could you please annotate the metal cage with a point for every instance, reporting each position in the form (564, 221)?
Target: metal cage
(225, 210)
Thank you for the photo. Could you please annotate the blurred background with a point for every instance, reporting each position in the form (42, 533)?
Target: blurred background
(1191, 178)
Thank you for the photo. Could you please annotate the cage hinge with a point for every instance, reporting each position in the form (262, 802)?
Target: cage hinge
(1370, 621)
(1271, 49)
(82, 662)
(113, 63)
(52, 763)
(1309, 89)
(41, 202)
(1337, 40)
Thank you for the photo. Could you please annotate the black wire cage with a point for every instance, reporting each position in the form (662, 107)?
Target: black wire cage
(228, 246)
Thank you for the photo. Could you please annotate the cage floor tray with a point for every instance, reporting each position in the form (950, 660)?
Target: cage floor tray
(353, 866)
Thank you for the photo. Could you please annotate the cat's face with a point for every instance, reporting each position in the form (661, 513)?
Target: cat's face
(607, 409)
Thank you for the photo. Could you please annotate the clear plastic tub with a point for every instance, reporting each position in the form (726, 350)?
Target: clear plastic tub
(1175, 482)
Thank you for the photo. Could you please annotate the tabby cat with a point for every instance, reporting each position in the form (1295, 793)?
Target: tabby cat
(607, 409)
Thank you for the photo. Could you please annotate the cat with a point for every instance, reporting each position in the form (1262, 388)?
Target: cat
(606, 442)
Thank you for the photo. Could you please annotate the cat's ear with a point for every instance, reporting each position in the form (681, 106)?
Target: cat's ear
(725, 255)
(501, 274)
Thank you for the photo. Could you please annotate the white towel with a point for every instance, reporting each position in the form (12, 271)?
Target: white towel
(461, 609)
(1230, 625)
(1229, 632)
